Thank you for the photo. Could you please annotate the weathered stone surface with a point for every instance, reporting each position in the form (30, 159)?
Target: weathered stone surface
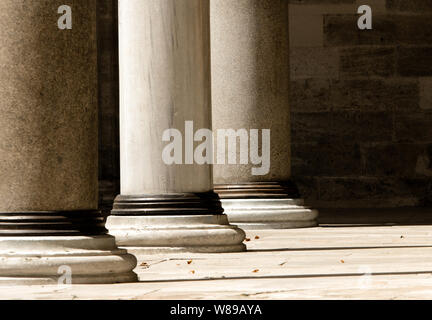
(306, 31)
(307, 186)
(342, 30)
(374, 102)
(410, 5)
(374, 191)
(426, 93)
(48, 150)
(395, 159)
(375, 95)
(314, 63)
(387, 29)
(330, 159)
(336, 127)
(311, 95)
(414, 61)
(367, 62)
(413, 127)
(317, 95)
(250, 80)
(362, 126)
(413, 29)
(48, 127)
(311, 127)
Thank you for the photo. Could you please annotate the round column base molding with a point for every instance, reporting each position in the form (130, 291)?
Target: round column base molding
(143, 235)
(269, 205)
(52, 223)
(253, 214)
(139, 252)
(205, 203)
(61, 260)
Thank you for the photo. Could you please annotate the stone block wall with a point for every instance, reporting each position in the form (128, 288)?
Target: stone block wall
(361, 103)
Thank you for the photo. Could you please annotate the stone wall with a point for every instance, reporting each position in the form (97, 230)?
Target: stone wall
(361, 103)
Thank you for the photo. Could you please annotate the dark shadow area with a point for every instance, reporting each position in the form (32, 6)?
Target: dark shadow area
(337, 248)
(108, 97)
(375, 217)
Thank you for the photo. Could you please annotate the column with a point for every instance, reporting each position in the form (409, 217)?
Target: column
(250, 79)
(50, 229)
(165, 84)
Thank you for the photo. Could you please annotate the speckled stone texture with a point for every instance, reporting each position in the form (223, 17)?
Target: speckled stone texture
(48, 106)
(48, 149)
(250, 77)
(250, 90)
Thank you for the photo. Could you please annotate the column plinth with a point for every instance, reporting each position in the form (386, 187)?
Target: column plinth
(164, 83)
(266, 205)
(50, 225)
(250, 90)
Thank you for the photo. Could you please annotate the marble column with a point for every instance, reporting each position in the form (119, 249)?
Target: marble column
(50, 229)
(165, 82)
(250, 80)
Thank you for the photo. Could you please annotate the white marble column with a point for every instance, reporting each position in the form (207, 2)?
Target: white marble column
(50, 229)
(164, 82)
(250, 80)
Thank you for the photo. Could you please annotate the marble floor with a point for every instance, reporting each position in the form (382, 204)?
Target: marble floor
(334, 261)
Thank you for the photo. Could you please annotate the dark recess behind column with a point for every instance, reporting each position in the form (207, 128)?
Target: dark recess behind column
(109, 166)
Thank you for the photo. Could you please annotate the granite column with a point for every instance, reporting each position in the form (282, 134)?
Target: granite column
(250, 86)
(50, 228)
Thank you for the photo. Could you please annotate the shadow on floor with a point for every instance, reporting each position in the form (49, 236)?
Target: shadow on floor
(374, 217)
(291, 276)
(337, 248)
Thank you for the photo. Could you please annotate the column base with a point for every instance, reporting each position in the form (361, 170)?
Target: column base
(266, 206)
(43, 260)
(48, 248)
(173, 224)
